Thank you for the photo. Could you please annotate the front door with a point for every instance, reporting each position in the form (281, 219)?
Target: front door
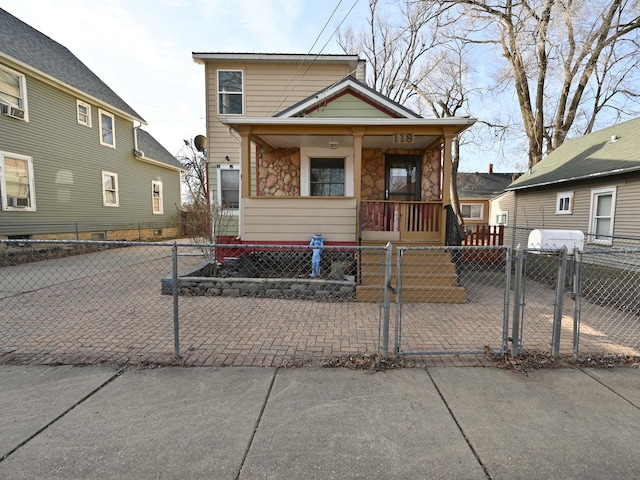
(402, 182)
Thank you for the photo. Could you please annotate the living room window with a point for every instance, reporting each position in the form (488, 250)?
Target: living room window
(17, 182)
(107, 129)
(156, 197)
(13, 93)
(83, 113)
(472, 211)
(230, 92)
(110, 194)
(603, 206)
(327, 177)
(564, 203)
(229, 186)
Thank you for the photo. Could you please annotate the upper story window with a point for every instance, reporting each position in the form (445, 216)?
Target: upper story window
(156, 197)
(564, 203)
(228, 187)
(17, 182)
(472, 211)
(107, 128)
(13, 94)
(83, 113)
(327, 177)
(230, 92)
(110, 194)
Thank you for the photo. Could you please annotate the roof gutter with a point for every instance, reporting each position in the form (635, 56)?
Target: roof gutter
(575, 179)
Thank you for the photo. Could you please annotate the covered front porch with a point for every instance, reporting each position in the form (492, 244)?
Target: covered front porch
(351, 180)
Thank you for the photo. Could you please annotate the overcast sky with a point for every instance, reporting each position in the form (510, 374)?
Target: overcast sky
(142, 48)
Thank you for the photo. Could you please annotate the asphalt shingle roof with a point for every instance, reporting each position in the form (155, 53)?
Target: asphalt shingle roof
(31, 47)
(154, 151)
(482, 185)
(595, 155)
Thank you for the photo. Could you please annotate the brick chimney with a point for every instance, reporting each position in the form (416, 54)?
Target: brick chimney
(491, 168)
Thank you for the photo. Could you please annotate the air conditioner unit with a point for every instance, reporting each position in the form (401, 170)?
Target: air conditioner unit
(11, 111)
(17, 202)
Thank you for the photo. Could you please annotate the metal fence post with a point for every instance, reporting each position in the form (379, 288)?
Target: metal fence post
(387, 301)
(176, 318)
(507, 295)
(398, 325)
(517, 303)
(576, 304)
(557, 311)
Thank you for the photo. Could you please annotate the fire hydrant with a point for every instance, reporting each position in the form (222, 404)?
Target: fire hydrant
(317, 241)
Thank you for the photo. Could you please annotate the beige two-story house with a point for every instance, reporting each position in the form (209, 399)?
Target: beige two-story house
(300, 145)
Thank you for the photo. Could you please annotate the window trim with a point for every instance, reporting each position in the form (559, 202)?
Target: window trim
(564, 196)
(499, 214)
(80, 103)
(219, 93)
(22, 103)
(3, 186)
(113, 130)
(307, 153)
(595, 194)
(105, 203)
(234, 167)
(160, 210)
(481, 217)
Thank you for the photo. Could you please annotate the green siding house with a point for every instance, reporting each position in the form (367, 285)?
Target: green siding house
(590, 183)
(73, 158)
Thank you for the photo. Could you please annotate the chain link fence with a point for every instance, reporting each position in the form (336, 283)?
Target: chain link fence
(134, 302)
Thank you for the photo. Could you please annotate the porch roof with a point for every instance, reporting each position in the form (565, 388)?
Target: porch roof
(376, 132)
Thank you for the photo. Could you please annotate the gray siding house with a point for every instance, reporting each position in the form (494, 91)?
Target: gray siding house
(72, 155)
(591, 183)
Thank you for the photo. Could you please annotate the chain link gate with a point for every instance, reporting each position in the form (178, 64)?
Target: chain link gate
(451, 300)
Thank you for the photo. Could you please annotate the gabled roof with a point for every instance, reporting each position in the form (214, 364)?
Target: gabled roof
(482, 185)
(357, 88)
(26, 46)
(612, 151)
(150, 150)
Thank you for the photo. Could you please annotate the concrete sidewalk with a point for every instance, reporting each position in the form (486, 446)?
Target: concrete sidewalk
(310, 423)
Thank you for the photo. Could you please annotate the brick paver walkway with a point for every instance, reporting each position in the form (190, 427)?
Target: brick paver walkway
(108, 307)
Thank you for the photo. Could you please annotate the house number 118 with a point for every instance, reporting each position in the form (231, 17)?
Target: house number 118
(403, 138)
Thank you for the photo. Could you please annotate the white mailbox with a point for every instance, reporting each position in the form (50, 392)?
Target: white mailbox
(541, 239)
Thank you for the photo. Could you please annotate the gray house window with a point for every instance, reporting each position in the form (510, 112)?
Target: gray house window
(603, 206)
(16, 182)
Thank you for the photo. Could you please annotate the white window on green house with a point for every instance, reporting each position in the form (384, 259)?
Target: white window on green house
(107, 129)
(156, 195)
(564, 203)
(501, 218)
(83, 113)
(17, 182)
(603, 206)
(327, 177)
(472, 211)
(110, 194)
(13, 94)
(230, 92)
(228, 186)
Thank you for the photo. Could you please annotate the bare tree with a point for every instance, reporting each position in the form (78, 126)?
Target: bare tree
(195, 177)
(567, 60)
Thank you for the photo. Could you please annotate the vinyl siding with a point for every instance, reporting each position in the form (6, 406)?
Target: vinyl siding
(264, 85)
(537, 207)
(68, 160)
(348, 106)
(296, 219)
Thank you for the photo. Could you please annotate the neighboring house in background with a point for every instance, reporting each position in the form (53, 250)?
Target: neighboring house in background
(300, 145)
(71, 157)
(476, 189)
(591, 183)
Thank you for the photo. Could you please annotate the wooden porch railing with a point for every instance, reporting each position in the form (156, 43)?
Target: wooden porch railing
(483, 235)
(412, 219)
